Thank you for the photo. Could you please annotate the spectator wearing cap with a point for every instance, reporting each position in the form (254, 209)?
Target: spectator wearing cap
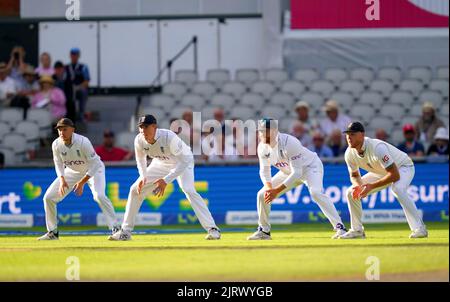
(301, 133)
(411, 146)
(109, 152)
(334, 120)
(62, 82)
(78, 76)
(46, 65)
(51, 98)
(27, 86)
(440, 144)
(319, 146)
(302, 110)
(8, 87)
(428, 124)
(335, 142)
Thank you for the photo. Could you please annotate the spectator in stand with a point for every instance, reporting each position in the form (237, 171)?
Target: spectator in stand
(16, 64)
(46, 65)
(428, 124)
(381, 134)
(109, 152)
(336, 144)
(79, 78)
(27, 87)
(301, 133)
(51, 98)
(440, 145)
(7, 86)
(411, 146)
(320, 147)
(334, 120)
(61, 81)
(2, 160)
(302, 110)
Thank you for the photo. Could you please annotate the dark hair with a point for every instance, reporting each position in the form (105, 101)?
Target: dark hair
(58, 64)
(2, 159)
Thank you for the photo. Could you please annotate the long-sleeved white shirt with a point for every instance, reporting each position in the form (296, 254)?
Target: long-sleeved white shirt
(168, 149)
(80, 156)
(288, 156)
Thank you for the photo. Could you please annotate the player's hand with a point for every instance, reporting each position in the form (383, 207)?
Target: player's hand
(62, 187)
(78, 188)
(160, 187)
(141, 184)
(365, 189)
(356, 191)
(270, 195)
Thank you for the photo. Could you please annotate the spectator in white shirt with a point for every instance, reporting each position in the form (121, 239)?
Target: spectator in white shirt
(7, 86)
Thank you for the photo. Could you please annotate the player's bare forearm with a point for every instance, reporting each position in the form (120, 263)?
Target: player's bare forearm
(391, 177)
(280, 188)
(268, 185)
(356, 179)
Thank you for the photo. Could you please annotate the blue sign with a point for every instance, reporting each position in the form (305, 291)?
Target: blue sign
(226, 189)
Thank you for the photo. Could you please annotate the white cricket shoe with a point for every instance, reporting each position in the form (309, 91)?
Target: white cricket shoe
(260, 235)
(121, 235)
(50, 236)
(419, 233)
(340, 230)
(352, 234)
(213, 234)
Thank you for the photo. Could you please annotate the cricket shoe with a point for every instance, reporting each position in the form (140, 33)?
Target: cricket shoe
(213, 234)
(419, 233)
(121, 235)
(115, 229)
(260, 235)
(50, 236)
(340, 230)
(352, 234)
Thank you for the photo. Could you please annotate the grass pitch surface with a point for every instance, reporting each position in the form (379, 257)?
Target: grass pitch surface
(301, 252)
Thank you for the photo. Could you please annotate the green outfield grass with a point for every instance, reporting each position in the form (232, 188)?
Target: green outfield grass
(300, 252)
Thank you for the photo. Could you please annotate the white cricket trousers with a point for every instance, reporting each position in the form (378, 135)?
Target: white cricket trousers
(399, 189)
(97, 185)
(185, 181)
(313, 178)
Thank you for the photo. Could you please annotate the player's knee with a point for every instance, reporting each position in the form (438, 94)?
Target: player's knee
(399, 188)
(98, 197)
(133, 190)
(48, 198)
(189, 191)
(349, 193)
(315, 194)
(261, 194)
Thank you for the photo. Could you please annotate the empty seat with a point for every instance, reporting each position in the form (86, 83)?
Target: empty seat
(284, 99)
(163, 101)
(126, 140)
(17, 142)
(363, 111)
(10, 158)
(422, 73)
(155, 111)
(242, 112)
(335, 75)
(393, 74)
(275, 112)
(324, 87)
(354, 87)
(208, 112)
(196, 102)
(254, 100)
(205, 89)
(43, 118)
(385, 87)
(276, 76)
(247, 76)
(307, 75)
(385, 123)
(177, 90)
(442, 72)
(432, 96)
(344, 99)
(265, 88)
(415, 110)
(408, 119)
(371, 97)
(315, 100)
(441, 86)
(397, 137)
(394, 111)
(236, 89)
(286, 124)
(187, 77)
(11, 116)
(4, 129)
(404, 98)
(178, 112)
(218, 76)
(223, 100)
(31, 132)
(444, 109)
(362, 74)
(295, 88)
(411, 85)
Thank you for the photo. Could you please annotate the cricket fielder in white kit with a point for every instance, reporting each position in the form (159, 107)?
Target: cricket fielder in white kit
(76, 164)
(171, 159)
(297, 165)
(386, 166)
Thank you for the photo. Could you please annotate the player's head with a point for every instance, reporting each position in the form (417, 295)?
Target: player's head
(108, 138)
(355, 134)
(75, 54)
(65, 129)
(268, 130)
(147, 126)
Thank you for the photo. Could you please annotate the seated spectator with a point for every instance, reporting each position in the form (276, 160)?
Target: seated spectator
(319, 146)
(411, 146)
(381, 134)
(301, 133)
(16, 64)
(428, 124)
(46, 65)
(440, 145)
(302, 110)
(334, 120)
(7, 86)
(51, 98)
(108, 152)
(62, 83)
(27, 87)
(2, 160)
(336, 143)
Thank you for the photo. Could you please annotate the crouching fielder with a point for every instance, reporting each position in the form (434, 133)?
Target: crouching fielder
(297, 165)
(386, 166)
(172, 159)
(76, 164)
